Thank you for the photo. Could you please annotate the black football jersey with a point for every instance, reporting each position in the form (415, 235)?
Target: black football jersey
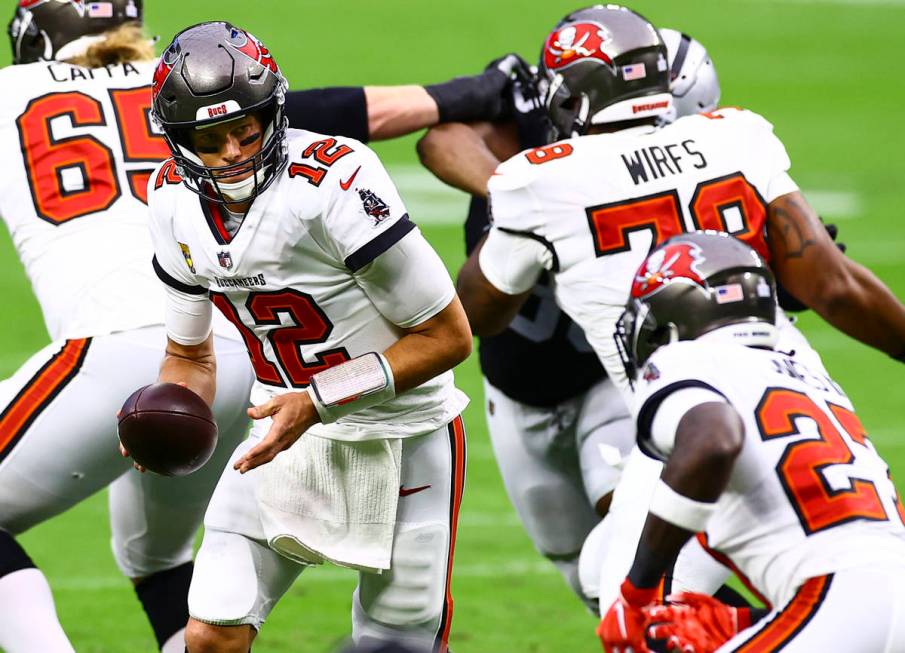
(542, 358)
(337, 110)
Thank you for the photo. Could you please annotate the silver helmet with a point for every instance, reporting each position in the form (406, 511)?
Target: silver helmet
(216, 72)
(692, 285)
(601, 65)
(693, 81)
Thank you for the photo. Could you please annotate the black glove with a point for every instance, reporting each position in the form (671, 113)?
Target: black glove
(528, 110)
(789, 302)
(480, 97)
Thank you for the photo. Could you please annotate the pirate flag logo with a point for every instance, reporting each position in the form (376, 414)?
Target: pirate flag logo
(373, 206)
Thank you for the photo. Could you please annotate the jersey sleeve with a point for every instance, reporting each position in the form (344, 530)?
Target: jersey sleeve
(188, 310)
(338, 110)
(674, 380)
(772, 157)
(516, 250)
(364, 215)
(408, 283)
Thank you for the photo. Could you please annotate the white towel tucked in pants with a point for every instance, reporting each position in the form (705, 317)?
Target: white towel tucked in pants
(331, 500)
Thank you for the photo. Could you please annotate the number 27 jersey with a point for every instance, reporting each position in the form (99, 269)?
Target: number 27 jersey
(809, 494)
(600, 203)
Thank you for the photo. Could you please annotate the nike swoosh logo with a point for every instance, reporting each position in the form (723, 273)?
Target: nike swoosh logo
(345, 185)
(405, 491)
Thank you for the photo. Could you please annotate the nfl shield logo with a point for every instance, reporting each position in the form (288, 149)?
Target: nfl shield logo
(225, 260)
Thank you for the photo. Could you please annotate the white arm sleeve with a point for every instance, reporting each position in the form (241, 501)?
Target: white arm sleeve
(188, 317)
(512, 262)
(408, 283)
(670, 413)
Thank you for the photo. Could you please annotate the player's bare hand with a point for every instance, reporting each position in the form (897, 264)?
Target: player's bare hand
(292, 413)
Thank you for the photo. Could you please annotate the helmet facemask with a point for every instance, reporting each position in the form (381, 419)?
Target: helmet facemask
(214, 183)
(212, 73)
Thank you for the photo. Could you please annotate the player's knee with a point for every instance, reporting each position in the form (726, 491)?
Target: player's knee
(412, 593)
(208, 638)
(557, 519)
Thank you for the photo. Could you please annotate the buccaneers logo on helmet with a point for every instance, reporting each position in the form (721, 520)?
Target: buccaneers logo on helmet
(678, 261)
(253, 48)
(576, 42)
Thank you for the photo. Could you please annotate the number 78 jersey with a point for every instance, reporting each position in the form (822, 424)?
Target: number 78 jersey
(600, 203)
(808, 495)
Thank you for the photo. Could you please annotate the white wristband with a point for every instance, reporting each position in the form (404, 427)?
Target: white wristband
(669, 505)
(362, 382)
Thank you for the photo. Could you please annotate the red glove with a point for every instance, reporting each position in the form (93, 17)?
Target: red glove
(622, 628)
(694, 623)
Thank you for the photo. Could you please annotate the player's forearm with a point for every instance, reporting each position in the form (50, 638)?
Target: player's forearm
(195, 366)
(398, 110)
(431, 348)
(458, 155)
(863, 307)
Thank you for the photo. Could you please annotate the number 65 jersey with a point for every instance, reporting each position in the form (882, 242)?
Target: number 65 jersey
(809, 495)
(306, 278)
(79, 150)
(592, 208)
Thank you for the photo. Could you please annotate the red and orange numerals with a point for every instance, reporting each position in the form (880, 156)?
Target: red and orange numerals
(167, 175)
(662, 215)
(611, 224)
(265, 371)
(310, 325)
(801, 466)
(547, 153)
(325, 152)
(713, 198)
(132, 107)
(313, 327)
(81, 162)
(314, 175)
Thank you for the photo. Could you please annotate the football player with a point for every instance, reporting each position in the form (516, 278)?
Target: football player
(548, 437)
(75, 111)
(587, 209)
(738, 423)
(352, 325)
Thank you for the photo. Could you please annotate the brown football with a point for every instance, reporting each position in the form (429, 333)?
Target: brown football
(168, 429)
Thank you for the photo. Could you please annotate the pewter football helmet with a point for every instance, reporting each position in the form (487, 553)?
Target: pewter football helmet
(603, 64)
(215, 72)
(694, 284)
(44, 30)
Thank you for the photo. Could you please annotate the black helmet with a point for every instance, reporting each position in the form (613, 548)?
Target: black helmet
(43, 30)
(694, 284)
(603, 64)
(210, 73)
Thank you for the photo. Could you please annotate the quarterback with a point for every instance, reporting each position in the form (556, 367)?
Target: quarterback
(74, 129)
(586, 210)
(352, 326)
(765, 460)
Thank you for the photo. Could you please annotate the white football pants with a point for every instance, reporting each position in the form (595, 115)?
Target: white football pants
(58, 444)
(557, 463)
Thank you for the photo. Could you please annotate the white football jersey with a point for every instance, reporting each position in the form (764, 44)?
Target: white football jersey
(809, 494)
(80, 149)
(288, 277)
(600, 203)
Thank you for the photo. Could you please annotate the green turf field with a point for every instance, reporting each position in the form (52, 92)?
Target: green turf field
(826, 73)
